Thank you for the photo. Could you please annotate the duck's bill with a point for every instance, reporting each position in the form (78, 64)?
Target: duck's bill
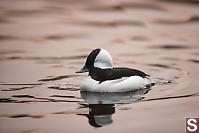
(83, 70)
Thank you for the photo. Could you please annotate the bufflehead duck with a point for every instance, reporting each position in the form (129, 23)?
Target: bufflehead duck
(103, 77)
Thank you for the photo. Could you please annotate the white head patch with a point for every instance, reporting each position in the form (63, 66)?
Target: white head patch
(103, 60)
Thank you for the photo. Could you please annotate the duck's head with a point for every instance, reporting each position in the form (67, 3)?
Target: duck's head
(98, 58)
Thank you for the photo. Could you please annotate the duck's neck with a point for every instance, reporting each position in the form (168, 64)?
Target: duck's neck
(98, 73)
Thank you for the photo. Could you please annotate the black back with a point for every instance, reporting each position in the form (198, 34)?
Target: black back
(114, 73)
(126, 72)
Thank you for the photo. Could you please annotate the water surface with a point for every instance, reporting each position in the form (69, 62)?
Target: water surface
(42, 44)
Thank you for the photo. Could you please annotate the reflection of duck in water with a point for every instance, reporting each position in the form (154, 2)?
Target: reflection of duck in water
(113, 97)
(100, 114)
(104, 78)
(102, 105)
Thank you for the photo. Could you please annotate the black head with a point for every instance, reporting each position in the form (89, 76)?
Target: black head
(89, 61)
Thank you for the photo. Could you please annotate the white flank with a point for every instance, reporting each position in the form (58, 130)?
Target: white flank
(118, 85)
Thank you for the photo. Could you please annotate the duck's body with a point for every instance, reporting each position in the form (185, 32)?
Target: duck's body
(117, 85)
(104, 78)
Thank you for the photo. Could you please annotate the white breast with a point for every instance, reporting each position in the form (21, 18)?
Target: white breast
(118, 85)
